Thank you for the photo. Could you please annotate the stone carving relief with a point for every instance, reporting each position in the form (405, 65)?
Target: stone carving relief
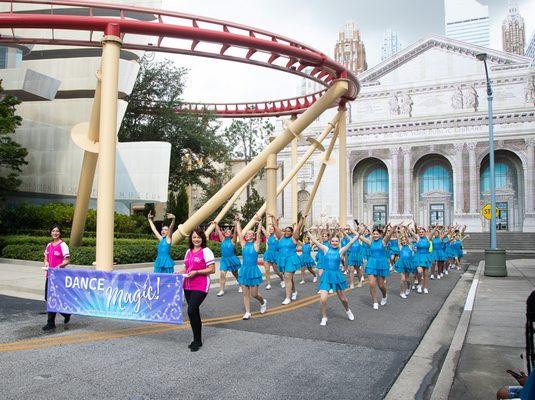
(393, 103)
(530, 90)
(461, 100)
(473, 98)
(406, 105)
(457, 99)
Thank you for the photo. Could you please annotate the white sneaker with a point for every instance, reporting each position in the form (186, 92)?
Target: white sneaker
(331, 291)
(375, 306)
(246, 316)
(352, 286)
(432, 277)
(286, 301)
(355, 273)
(283, 285)
(413, 287)
(407, 292)
(263, 307)
(426, 291)
(294, 296)
(240, 290)
(445, 272)
(345, 272)
(438, 276)
(359, 284)
(220, 293)
(419, 289)
(323, 322)
(442, 275)
(383, 300)
(268, 287)
(315, 279)
(403, 295)
(350, 315)
(302, 282)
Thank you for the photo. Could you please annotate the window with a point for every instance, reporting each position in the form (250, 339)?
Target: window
(3, 57)
(376, 181)
(503, 179)
(379, 214)
(435, 177)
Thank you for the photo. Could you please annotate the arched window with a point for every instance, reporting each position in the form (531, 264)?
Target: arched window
(435, 177)
(503, 177)
(376, 181)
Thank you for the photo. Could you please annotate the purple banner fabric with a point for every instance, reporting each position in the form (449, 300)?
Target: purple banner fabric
(138, 296)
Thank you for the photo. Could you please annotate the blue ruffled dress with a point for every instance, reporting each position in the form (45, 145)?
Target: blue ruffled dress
(405, 261)
(354, 259)
(422, 258)
(320, 255)
(229, 260)
(378, 261)
(332, 277)
(288, 260)
(456, 249)
(438, 252)
(249, 274)
(306, 258)
(164, 264)
(272, 250)
(393, 247)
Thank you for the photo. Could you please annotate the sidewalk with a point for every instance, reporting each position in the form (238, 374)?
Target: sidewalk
(495, 339)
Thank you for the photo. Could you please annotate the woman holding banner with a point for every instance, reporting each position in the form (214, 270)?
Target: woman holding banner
(199, 264)
(56, 256)
(163, 264)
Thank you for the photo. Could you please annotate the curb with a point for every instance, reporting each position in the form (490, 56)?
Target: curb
(447, 372)
(415, 380)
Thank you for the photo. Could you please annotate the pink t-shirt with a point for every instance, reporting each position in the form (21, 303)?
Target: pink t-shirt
(56, 253)
(195, 261)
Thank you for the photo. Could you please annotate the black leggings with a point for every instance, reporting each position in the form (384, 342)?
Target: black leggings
(51, 320)
(195, 299)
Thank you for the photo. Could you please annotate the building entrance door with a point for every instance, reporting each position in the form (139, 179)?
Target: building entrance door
(502, 221)
(379, 214)
(436, 214)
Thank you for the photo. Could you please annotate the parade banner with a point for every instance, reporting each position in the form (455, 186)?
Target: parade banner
(139, 296)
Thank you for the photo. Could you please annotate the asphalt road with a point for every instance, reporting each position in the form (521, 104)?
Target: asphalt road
(284, 354)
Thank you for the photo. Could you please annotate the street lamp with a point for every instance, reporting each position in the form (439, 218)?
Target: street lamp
(494, 258)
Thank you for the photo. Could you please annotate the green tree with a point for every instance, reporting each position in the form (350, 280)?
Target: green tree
(211, 190)
(251, 206)
(178, 205)
(197, 148)
(12, 154)
(246, 138)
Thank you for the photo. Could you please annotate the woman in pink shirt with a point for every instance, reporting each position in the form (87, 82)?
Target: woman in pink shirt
(56, 256)
(199, 265)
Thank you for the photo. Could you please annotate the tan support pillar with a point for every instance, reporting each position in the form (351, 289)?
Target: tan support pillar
(271, 183)
(339, 88)
(315, 144)
(324, 162)
(87, 174)
(294, 180)
(342, 166)
(111, 47)
(227, 207)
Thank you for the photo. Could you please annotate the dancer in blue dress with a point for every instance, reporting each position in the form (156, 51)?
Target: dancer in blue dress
(229, 261)
(307, 262)
(163, 264)
(438, 255)
(377, 266)
(456, 248)
(423, 259)
(354, 261)
(271, 255)
(325, 239)
(332, 277)
(249, 275)
(393, 248)
(288, 261)
(404, 264)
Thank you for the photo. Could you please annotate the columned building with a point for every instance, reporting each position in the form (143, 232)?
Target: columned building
(418, 144)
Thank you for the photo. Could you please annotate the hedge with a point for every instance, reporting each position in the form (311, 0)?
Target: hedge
(67, 232)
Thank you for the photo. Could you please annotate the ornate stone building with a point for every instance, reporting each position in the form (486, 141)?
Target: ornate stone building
(513, 30)
(418, 144)
(349, 49)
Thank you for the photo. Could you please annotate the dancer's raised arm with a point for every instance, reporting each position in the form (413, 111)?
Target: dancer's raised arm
(150, 217)
(278, 231)
(344, 249)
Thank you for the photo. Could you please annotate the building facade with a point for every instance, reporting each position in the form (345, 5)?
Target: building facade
(391, 44)
(418, 144)
(513, 31)
(349, 49)
(467, 21)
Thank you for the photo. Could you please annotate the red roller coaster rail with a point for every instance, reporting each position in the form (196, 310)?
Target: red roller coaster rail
(145, 29)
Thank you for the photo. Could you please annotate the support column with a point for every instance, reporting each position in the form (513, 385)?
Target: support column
(342, 165)
(407, 182)
(87, 173)
(459, 184)
(394, 193)
(339, 88)
(293, 187)
(271, 183)
(111, 47)
(472, 171)
(530, 175)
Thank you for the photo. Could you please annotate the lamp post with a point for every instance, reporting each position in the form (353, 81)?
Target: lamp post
(494, 258)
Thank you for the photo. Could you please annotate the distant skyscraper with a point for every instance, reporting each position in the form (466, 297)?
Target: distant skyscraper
(530, 49)
(468, 21)
(349, 49)
(513, 31)
(391, 44)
